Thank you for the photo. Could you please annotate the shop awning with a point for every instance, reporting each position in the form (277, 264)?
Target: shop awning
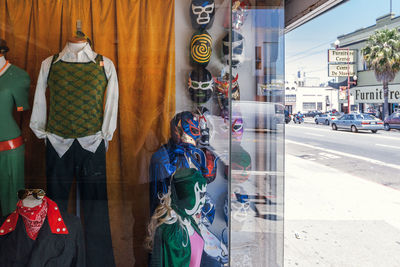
(337, 85)
(298, 12)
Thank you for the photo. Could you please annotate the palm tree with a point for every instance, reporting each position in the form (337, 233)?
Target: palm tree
(382, 54)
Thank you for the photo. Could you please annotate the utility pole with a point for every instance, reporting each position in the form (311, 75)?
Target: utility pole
(390, 6)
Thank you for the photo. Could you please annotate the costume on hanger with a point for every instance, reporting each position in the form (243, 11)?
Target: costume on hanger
(41, 236)
(178, 241)
(77, 131)
(14, 89)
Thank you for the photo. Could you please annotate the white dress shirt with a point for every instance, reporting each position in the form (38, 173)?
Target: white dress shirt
(82, 53)
(3, 62)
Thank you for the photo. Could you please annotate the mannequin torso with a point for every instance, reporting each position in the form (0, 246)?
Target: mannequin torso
(14, 86)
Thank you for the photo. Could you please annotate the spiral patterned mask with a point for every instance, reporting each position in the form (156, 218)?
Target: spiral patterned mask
(201, 48)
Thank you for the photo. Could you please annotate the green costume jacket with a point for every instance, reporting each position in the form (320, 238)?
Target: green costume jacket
(169, 249)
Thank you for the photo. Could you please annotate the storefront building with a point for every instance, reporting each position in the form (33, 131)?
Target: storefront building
(367, 96)
(150, 131)
(308, 94)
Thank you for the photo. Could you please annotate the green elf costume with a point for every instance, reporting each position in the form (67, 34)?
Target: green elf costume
(14, 90)
(177, 241)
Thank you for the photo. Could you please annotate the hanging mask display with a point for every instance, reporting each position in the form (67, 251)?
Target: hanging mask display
(185, 128)
(202, 14)
(237, 49)
(200, 48)
(237, 127)
(200, 85)
(222, 90)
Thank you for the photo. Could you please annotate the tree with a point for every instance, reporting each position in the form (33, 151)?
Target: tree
(382, 54)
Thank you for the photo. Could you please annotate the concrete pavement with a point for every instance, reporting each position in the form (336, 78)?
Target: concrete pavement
(336, 219)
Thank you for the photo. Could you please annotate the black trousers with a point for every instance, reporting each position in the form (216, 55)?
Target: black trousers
(89, 169)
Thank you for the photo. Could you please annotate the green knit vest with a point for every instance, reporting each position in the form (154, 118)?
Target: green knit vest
(76, 97)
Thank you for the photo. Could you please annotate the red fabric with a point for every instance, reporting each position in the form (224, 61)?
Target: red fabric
(33, 217)
(56, 223)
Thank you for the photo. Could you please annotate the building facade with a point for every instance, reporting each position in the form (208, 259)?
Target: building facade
(307, 94)
(367, 96)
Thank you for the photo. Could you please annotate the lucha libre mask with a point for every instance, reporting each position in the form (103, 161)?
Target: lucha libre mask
(188, 190)
(237, 127)
(200, 48)
(237, 49)
(185, 128)
(202, 14)
(208, 212)
(240, 9)
(239, 12)
(210, 169)
(201, 85)
(241, 164)
(201, 113)
(222, 89)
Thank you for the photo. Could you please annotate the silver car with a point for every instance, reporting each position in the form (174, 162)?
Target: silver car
(356, 122)
(326, 118)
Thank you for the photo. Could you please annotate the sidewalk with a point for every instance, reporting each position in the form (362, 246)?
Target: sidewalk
(335, 219)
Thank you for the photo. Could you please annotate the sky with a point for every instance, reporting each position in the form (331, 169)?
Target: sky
(306, 46)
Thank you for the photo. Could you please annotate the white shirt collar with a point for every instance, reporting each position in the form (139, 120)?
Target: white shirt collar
(86, 54)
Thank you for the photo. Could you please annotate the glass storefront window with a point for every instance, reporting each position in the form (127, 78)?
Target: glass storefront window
(257, 149)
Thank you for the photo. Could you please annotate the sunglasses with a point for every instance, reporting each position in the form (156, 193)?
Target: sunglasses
(36, 193)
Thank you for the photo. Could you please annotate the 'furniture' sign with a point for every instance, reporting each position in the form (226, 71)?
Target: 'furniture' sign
(374, 94)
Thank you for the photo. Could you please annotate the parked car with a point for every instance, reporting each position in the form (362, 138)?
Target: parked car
(392, 122)
(312, 113)
(356, 122)
(326, 118)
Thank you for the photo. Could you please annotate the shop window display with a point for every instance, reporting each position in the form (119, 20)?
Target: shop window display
(140, 143)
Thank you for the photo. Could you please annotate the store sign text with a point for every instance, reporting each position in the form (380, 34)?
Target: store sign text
(373, 94)
(340, 70)
(341, 56)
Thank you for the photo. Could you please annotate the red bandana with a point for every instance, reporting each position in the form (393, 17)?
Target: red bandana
(56, 222)
(33, 217)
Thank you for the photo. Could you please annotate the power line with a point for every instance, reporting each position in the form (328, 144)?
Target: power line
(306, 55)
(309, 49)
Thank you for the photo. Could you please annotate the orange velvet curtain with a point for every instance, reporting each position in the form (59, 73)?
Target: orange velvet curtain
(138, 35)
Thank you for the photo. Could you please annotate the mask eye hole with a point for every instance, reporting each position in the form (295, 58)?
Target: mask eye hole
(237, 127)
(237, 167)
(205, 85)
(195, 84)
(194, 131)
(197, 10)
(209, 9)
